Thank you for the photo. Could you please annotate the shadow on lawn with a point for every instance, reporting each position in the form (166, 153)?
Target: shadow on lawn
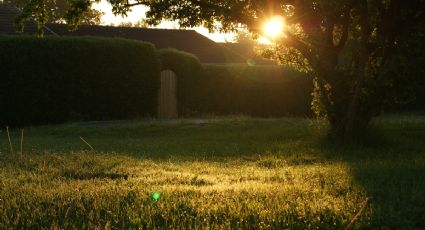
(160, 141)
(397, 194)
(390, 167)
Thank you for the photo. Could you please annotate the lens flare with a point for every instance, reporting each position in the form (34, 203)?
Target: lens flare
(156, 196)
(250, 62)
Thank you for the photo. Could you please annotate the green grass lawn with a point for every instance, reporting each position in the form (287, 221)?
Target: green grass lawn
(218, 173)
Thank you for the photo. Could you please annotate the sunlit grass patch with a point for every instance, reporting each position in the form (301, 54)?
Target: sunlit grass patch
(233, 193)
(219, 174)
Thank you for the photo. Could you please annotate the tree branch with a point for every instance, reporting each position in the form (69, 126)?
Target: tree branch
(329, 31)
(345, 26)
(292, 41)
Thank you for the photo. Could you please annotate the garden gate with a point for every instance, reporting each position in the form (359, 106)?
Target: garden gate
(167, 101)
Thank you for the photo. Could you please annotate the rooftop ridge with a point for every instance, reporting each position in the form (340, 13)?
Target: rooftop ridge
(131, 28)
(184, 39)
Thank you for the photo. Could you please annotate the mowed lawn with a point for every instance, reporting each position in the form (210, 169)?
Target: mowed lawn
(216, 173)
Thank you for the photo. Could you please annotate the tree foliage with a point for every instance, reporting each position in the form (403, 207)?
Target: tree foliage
(54, 11)
(348, 46)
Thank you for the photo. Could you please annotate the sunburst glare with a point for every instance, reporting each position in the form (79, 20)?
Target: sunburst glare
(273, 28)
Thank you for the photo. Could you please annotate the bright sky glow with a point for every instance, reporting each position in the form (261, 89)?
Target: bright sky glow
(273, 27)
(264, 40)
(138, 13)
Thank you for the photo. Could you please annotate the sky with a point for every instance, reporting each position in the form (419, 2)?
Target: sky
(138, 13)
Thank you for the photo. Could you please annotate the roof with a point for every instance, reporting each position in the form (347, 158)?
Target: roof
(190, 41)
(7, 19)
(248, 50)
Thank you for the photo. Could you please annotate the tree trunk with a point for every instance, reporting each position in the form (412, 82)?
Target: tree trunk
(349, 114)
(348, 117)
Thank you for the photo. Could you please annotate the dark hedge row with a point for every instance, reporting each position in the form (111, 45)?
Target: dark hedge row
(59, 79)
(52, 80)
(255, 90)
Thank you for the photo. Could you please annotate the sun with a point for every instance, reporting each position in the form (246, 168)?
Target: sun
(273, 27)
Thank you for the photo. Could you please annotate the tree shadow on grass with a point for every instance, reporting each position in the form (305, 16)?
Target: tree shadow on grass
(397, 192)
(233, 137)
(390, 167)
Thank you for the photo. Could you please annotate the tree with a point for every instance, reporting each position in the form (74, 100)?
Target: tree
(348, 46)
(138, 24)
(52, 11)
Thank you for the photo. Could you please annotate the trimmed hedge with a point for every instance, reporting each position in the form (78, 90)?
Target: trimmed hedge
(57, 79)
(236, 89)
(189, 73)
(255, 90)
